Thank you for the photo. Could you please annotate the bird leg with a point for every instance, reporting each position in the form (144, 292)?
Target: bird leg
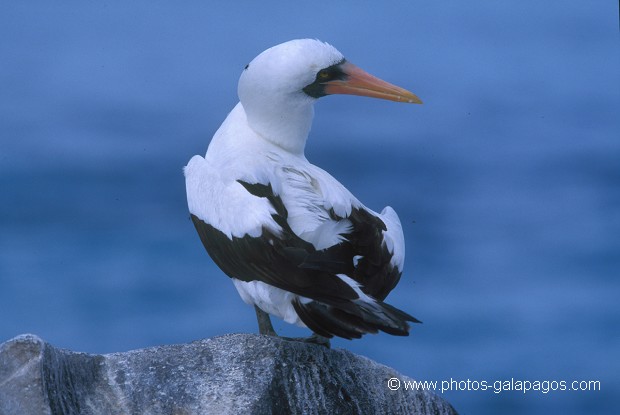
(264, 323)
(266, 328)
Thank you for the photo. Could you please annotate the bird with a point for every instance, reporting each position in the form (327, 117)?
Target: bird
(295, 242)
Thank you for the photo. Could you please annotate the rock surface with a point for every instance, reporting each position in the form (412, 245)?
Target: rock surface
(230, 374)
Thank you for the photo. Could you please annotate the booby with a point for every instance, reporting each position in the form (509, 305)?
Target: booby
(296, 243)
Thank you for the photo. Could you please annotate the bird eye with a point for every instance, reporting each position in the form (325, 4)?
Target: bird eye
(324, 74)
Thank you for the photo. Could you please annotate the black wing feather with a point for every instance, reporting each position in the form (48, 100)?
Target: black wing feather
(288, 262)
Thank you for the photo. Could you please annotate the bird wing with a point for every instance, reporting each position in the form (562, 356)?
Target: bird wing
(277, 257)
(254, 241)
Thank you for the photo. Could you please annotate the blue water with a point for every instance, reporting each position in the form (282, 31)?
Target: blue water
(507, 179)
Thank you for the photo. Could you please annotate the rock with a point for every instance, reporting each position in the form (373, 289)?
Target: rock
(230, 374)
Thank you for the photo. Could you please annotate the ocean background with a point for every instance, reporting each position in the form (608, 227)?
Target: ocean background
(506, 180)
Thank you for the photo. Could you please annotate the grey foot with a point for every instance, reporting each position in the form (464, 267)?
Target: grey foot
(266, 328)
(314, 339)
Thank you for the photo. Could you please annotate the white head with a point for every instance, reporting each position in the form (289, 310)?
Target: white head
(279, 87)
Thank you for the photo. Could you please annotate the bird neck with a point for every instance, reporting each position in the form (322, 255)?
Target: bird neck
(285, 124)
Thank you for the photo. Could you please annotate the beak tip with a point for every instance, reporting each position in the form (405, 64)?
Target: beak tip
(414, 100)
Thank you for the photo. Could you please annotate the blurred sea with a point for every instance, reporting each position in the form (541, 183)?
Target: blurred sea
(507, 179)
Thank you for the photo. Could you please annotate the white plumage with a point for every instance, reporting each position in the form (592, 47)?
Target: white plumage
(290, 235)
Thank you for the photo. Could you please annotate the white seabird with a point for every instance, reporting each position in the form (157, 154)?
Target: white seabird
(296, 243)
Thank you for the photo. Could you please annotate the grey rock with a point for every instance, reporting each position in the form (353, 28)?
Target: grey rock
(230, 374)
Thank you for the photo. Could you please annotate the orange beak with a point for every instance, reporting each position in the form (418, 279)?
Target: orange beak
(360, 82)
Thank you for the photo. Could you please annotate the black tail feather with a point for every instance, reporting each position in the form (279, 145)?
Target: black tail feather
(354, 320)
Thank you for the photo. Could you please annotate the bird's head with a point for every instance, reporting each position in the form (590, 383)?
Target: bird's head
(279, 86)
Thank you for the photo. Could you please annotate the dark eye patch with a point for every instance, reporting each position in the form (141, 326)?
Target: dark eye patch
(331, 73)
